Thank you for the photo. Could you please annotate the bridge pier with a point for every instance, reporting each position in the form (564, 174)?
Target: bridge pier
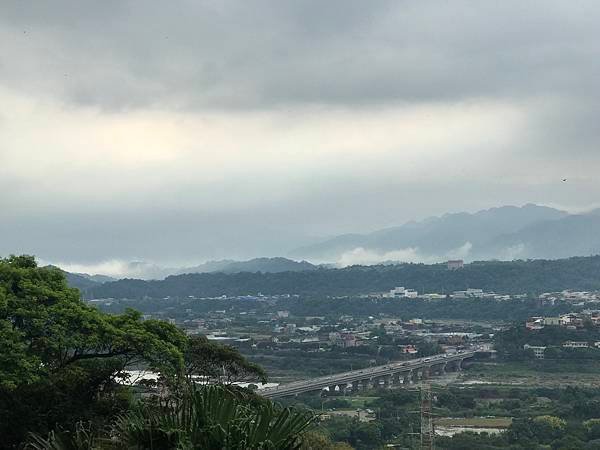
(387, 381)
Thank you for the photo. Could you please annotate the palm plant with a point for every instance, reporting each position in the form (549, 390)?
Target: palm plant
(83, 438)
(213, 417)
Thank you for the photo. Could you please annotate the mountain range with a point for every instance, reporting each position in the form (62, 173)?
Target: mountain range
(505, 233)
(149, 271)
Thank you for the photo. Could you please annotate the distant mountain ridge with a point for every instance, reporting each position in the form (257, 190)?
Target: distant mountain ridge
(514, 277)
(141, 270)
(270, 265)
(504, 233)
(507, 232)
(574, 235)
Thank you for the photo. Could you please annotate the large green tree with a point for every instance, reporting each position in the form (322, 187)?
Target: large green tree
(60, 358)
(207, 359)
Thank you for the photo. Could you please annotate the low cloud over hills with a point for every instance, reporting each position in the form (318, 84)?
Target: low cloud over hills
(147, 271)
(506, 233)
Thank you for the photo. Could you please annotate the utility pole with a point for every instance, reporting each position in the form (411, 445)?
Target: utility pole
(427, 432)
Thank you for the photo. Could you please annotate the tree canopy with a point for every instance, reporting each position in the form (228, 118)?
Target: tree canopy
(526, 277)
(61, 359)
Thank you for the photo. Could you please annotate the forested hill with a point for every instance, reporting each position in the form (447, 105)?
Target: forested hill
(580, 273)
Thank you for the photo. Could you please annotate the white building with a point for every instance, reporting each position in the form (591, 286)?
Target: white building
(474, 292)
(575, 344)
(538, 352)
(396, 292)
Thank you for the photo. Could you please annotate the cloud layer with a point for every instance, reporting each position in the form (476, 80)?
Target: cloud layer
(175, 134)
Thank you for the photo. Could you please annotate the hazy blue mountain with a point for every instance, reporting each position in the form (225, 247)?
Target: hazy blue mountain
(446, 236)
(574, 235)
(84, 280)
(148, 271)
(96, 278)
(207, 267)
(79, 281)
(266, 265)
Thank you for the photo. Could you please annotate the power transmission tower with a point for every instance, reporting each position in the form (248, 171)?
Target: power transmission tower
(427, 433)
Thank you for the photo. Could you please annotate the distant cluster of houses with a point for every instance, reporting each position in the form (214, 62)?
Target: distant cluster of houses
(575, 297)
(402, 292)
(539, 351)
(570, 320)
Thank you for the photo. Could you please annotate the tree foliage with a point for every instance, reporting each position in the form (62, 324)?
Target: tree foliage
(61, 360)
(209, 417)
(204, 358)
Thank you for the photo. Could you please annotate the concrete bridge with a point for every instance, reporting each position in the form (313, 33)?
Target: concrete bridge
(397, 373)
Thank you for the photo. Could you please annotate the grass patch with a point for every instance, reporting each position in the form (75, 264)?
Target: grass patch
(534, 373)
(476, 422)
(360, 402)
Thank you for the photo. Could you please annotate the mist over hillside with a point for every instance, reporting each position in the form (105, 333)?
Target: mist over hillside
(504, 233)
(148, 271)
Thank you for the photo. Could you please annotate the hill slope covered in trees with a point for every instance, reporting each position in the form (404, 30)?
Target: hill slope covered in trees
(582, 273)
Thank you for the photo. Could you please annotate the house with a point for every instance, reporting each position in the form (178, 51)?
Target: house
(534, 323)
(434, 296)
(474, 292)
(410, 293)
(455, 264)
(575, 344)
(552, 321)
(408, 349)
(396, 292)
(538, 352)
(349, 340)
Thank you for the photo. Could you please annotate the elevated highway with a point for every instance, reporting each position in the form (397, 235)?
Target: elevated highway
(397, 373)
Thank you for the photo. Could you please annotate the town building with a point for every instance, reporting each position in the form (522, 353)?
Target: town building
(538, 352)
(575, 344)
(455, 264)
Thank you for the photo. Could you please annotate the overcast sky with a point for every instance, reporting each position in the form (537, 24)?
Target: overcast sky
(182, 131)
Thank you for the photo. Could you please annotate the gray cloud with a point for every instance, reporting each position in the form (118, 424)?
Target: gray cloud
(261, 54)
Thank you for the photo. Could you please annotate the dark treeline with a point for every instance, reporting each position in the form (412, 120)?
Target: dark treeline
(532, 277)
(472, 309)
